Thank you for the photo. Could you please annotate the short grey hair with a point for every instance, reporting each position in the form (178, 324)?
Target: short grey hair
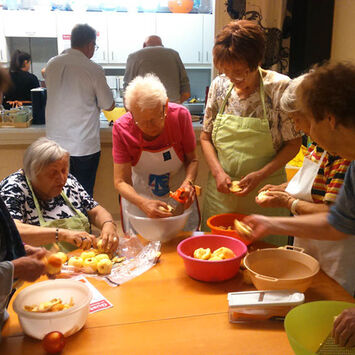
(288, 102)
(39, 154)
(146, 92)
(81, 35)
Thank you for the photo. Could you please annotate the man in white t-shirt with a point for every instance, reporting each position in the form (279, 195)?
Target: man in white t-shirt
(76, 91)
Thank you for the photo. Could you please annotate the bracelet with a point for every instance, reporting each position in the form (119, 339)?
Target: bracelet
(293, 207)
(57, 234)
(109, 221)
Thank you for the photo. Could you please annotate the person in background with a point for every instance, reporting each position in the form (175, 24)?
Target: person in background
(165, 63)
(326, 96)
(76, 91)
(154, 151)
(17, 261)
(22, 80)
(313, 189)
(49, 205)
(245, 137)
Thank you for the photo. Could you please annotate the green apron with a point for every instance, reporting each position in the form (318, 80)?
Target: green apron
(78, 222)
(243, 145)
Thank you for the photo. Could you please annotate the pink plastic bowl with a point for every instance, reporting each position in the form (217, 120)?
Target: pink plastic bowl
(211, 271)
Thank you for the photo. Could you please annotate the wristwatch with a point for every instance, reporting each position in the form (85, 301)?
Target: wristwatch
(293, 207)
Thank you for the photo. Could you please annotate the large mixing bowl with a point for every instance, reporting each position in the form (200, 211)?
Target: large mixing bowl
(308, 325)
(68, 321)
(281, 268)
(162, 229)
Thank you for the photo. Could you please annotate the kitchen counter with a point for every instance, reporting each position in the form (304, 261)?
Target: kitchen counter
(12, 136)
(163, 311)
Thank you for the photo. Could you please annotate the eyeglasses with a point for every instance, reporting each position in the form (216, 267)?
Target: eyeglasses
(156, 121)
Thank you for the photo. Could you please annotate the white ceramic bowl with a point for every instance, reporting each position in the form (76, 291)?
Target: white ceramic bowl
(68, 321)
(162, 229)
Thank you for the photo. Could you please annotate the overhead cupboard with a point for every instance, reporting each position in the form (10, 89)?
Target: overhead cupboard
(118, 33)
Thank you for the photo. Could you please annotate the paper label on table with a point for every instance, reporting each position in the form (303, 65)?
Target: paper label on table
(98, 301)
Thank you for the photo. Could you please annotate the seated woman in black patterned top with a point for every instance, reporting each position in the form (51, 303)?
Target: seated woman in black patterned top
(49, 205)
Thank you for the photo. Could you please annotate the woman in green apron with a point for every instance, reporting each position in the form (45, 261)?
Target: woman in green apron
(245, 135)
(49, 205)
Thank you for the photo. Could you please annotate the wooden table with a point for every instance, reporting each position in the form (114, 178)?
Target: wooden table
(166, 312)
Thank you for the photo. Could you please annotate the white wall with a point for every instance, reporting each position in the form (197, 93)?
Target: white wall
(343, 43)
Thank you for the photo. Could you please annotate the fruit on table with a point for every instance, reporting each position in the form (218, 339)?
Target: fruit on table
(90, 263)
(235, 187)
(54, 264)
(242, 228)
(87, 254)
(76, 261)
(53, 342)
(223, 253)
(63, 256)
(101, 256)
(104, 266)
(203, 254)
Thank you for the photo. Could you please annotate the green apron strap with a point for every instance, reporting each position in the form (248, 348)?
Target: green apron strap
(40, 215)
(262, 93)
(221, 110)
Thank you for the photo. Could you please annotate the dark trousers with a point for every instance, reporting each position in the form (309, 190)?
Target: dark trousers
(84, 169)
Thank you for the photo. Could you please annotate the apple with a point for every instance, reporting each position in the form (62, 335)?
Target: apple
(203, 254)
(54, 264)
(101, 256)
(90, 263)
(63, 256)
(75, 261)
(87, 254)
(104, 266)
(99, 246)
(223, 253)
(53, 342)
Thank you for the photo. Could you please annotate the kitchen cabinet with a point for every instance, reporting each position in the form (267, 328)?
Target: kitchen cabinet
(127, 32)
(182, 32)
(3, 47)
(29, 24)
(67, 20)
(208, 38)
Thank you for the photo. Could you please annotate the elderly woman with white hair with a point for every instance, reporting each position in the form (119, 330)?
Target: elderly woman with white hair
(154, 151)
(49, 205)
(313, 189)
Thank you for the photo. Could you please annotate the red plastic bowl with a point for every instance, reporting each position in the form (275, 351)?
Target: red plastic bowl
(226, 220)
(211, 271)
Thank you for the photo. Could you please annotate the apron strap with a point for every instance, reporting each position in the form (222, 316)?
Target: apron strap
(67, 201)
(262, 93)
(38, 208)
(221, 110)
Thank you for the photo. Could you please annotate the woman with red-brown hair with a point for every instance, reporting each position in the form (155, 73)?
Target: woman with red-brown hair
(246, 137)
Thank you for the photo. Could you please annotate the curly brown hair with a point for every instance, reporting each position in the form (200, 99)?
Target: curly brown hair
(240, 40)
(329, 89)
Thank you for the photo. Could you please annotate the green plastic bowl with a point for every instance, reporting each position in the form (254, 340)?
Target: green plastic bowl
(309, 324)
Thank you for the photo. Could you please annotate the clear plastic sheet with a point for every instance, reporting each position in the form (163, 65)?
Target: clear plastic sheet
(139, 259)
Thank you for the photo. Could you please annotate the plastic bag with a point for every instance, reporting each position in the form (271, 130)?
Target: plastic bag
(139, 258)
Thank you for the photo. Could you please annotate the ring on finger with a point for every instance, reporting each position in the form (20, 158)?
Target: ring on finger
(115, 239)
(83, 238)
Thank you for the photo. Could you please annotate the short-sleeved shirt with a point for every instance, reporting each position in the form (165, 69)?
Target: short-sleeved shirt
(76, 91)
(165, 63)
(128, 141)
(18, 198)
(342, 213)
(330, 177)
(281, 126)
